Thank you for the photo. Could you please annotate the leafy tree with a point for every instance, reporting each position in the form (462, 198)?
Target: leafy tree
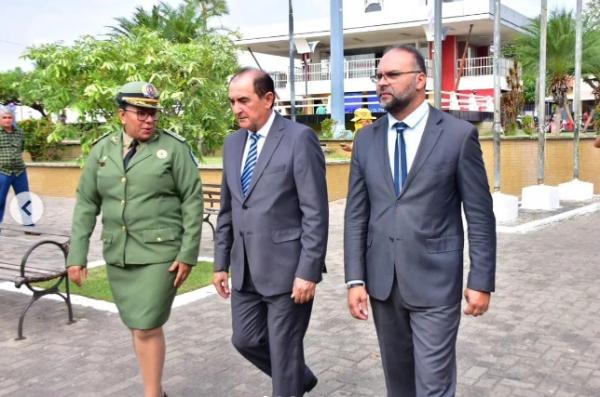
(85, 76)
(529, 89)
(8, 83)
(560, 55)
(180, 24)
(10, 86)
(591, 14)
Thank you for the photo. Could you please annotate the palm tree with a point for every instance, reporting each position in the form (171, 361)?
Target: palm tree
(560, 53)
(180, 24)
(512, 101)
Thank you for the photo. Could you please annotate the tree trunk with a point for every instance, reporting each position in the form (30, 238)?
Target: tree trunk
(39, 108)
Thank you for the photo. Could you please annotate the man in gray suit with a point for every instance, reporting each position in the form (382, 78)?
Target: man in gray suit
(271, 232)
(411, 170)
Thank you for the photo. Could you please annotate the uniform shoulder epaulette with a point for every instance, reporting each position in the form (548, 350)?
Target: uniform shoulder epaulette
(175, 135)
(100, 138)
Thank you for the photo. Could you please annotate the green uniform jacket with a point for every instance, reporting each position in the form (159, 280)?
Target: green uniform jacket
(151, 213)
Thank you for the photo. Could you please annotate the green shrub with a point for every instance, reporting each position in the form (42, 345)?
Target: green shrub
(510, 128)
(327, 128)
(37, 143)
(528, 125)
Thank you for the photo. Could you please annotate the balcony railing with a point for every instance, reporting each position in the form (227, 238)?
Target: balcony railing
(483, 66)
(364, 68)
(353, 69)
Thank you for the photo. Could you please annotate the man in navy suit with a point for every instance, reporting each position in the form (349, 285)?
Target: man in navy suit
(411, 172)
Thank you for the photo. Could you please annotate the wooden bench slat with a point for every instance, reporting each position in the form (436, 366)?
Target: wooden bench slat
(34, 229)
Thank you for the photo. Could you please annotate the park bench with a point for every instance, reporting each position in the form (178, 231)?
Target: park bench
(212, 201)
(29, 255)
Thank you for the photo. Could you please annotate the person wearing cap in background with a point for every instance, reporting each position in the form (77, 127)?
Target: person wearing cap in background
(12, 166)
(145, 183)
(362, 118)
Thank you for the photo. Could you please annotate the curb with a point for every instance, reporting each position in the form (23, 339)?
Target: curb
(540, 223)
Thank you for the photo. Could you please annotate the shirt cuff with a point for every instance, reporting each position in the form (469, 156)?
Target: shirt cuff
(354, 283)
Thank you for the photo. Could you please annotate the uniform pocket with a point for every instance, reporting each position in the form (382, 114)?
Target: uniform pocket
(158, 235)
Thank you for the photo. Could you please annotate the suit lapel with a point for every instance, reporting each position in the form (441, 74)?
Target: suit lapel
(381, 140)
(271, 143)
(237, 153)
(430, 137)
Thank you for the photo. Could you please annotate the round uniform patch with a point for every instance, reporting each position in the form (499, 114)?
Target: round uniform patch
(161, 154)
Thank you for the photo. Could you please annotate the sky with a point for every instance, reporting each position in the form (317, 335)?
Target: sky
(31, 22)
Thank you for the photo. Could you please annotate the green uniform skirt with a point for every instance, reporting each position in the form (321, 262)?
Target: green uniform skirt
(143, 293)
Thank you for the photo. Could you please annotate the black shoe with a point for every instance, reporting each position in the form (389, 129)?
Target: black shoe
(311, 385)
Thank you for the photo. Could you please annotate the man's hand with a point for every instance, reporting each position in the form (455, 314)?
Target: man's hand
(303, 290)
(358, 302)
(221, 283)
(183, 270)
(346, 147)
(477, 302)
(77, 274)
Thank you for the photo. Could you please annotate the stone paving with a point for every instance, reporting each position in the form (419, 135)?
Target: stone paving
(541, 337)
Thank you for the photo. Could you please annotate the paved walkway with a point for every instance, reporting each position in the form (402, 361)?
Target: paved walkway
(541, 338)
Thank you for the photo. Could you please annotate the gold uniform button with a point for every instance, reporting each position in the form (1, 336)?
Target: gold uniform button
(158, 239)
(123, 180)
(123, 228)
(122, 202)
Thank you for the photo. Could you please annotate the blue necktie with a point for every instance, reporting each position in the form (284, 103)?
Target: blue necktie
(400, 167)
(250, 162)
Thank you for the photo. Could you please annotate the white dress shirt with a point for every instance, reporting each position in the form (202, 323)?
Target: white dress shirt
(416, 122)
(263, 132)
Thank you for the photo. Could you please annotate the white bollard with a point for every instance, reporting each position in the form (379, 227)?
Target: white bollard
(506, 207)
(540, 197)
(576, 190)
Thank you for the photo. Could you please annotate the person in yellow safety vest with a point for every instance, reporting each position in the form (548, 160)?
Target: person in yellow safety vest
(362, 118)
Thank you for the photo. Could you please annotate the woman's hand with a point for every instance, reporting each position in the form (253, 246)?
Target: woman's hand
(183, 271)
(77, 274)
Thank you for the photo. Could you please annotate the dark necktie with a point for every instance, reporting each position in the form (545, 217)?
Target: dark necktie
(130, 153)
(250, 162)
(400, 167)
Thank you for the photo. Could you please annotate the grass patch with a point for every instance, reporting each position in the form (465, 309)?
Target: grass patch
(96, 286)
(212, 161)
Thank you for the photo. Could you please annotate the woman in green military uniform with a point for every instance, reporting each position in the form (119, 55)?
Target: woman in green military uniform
(145, 183)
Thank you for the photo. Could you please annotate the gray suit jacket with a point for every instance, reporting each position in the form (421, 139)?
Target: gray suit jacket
(281, 225)
(420, 233)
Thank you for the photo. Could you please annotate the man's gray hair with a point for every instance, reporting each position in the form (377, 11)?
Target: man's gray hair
(4, 110)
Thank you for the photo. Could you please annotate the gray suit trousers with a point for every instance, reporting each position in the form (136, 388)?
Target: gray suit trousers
(418, 346)
(269, 332)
